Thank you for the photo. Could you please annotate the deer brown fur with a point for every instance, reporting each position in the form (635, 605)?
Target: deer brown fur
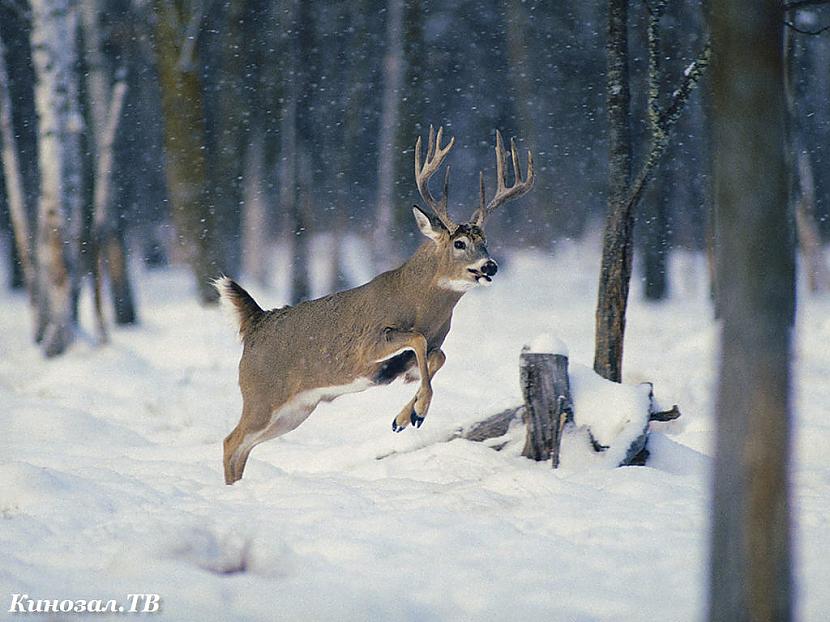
(295, 357)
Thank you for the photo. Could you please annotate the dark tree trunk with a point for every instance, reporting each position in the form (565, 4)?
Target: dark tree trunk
(255, 214)
(22, 262)
(292, 154)
(16, 280)
(625, 190)
(617, 247)
(656, 240)
(228, 133)
(113, 252)
(411, 121)
(302, 218)
(751, 577)
(803, 187)
(521, 80)
(105, 109)
(384, 249)
(184, 141)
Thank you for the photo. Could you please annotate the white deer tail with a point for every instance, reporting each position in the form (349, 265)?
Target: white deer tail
(243, 308)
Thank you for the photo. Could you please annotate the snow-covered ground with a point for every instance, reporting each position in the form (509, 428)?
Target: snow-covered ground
(111, 473)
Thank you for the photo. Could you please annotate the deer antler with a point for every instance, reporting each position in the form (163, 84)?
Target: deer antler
(504, 192)
(434, 159)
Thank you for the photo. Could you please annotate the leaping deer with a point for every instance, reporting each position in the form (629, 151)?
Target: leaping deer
(295, 357)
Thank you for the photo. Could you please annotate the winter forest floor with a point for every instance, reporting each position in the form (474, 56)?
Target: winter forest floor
(111, 473)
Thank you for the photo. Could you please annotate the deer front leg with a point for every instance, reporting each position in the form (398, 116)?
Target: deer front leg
(395, 340)
(410, 412)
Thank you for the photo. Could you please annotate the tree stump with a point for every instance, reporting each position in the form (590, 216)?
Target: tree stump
(547, 398)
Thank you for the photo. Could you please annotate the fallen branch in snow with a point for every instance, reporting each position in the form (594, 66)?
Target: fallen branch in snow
(493, 427)
(665, 415)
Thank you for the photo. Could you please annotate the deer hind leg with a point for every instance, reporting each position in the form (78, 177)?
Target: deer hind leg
(263, 426)
(238, 444)
(413, 412)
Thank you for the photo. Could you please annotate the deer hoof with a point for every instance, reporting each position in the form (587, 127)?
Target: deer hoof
(416, 420)
(396, 427)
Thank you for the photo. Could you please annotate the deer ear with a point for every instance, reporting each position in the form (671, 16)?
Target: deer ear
(430, 227)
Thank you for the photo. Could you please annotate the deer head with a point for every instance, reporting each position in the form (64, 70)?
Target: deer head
(462, 248)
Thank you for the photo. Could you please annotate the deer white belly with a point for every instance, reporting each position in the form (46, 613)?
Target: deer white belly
(297, 409)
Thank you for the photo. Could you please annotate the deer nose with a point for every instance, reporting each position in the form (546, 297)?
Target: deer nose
(489, 268)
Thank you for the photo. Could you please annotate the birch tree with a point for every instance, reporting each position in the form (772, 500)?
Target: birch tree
(54, 51)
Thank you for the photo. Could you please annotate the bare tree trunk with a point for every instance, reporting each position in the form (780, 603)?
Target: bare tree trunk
(625, 190)
(14, 182)
(803, 190)
(255, 213)
(98, 94)
(106, 105)
(109, 238)
(54, 28)
(617, 246)
(301, 255)
(818, 277)
(176, 27)
(294, 226)
(751, 577)
(656, 237)
(412, 101)
(227, 155)
(710, 226)
(393, 71)
(520, 78)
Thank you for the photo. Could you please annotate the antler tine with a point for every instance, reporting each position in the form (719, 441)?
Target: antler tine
(481, 191)
(501, 174)
(517, 169)
(434, 158)
(504, 192)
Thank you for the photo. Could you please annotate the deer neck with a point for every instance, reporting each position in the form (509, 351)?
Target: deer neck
(424, 272)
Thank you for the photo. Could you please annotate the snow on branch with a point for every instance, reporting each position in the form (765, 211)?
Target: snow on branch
(802, 4)
(804, 31)
(662, 121)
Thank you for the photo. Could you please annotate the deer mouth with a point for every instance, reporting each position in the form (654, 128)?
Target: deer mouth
(480, 277)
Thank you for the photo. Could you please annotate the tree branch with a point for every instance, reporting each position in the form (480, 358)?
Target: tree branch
(803, 4)
(805, 32)
(666, 121)
(691, 76)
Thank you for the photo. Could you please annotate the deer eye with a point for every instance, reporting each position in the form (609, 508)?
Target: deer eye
(460, 245)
